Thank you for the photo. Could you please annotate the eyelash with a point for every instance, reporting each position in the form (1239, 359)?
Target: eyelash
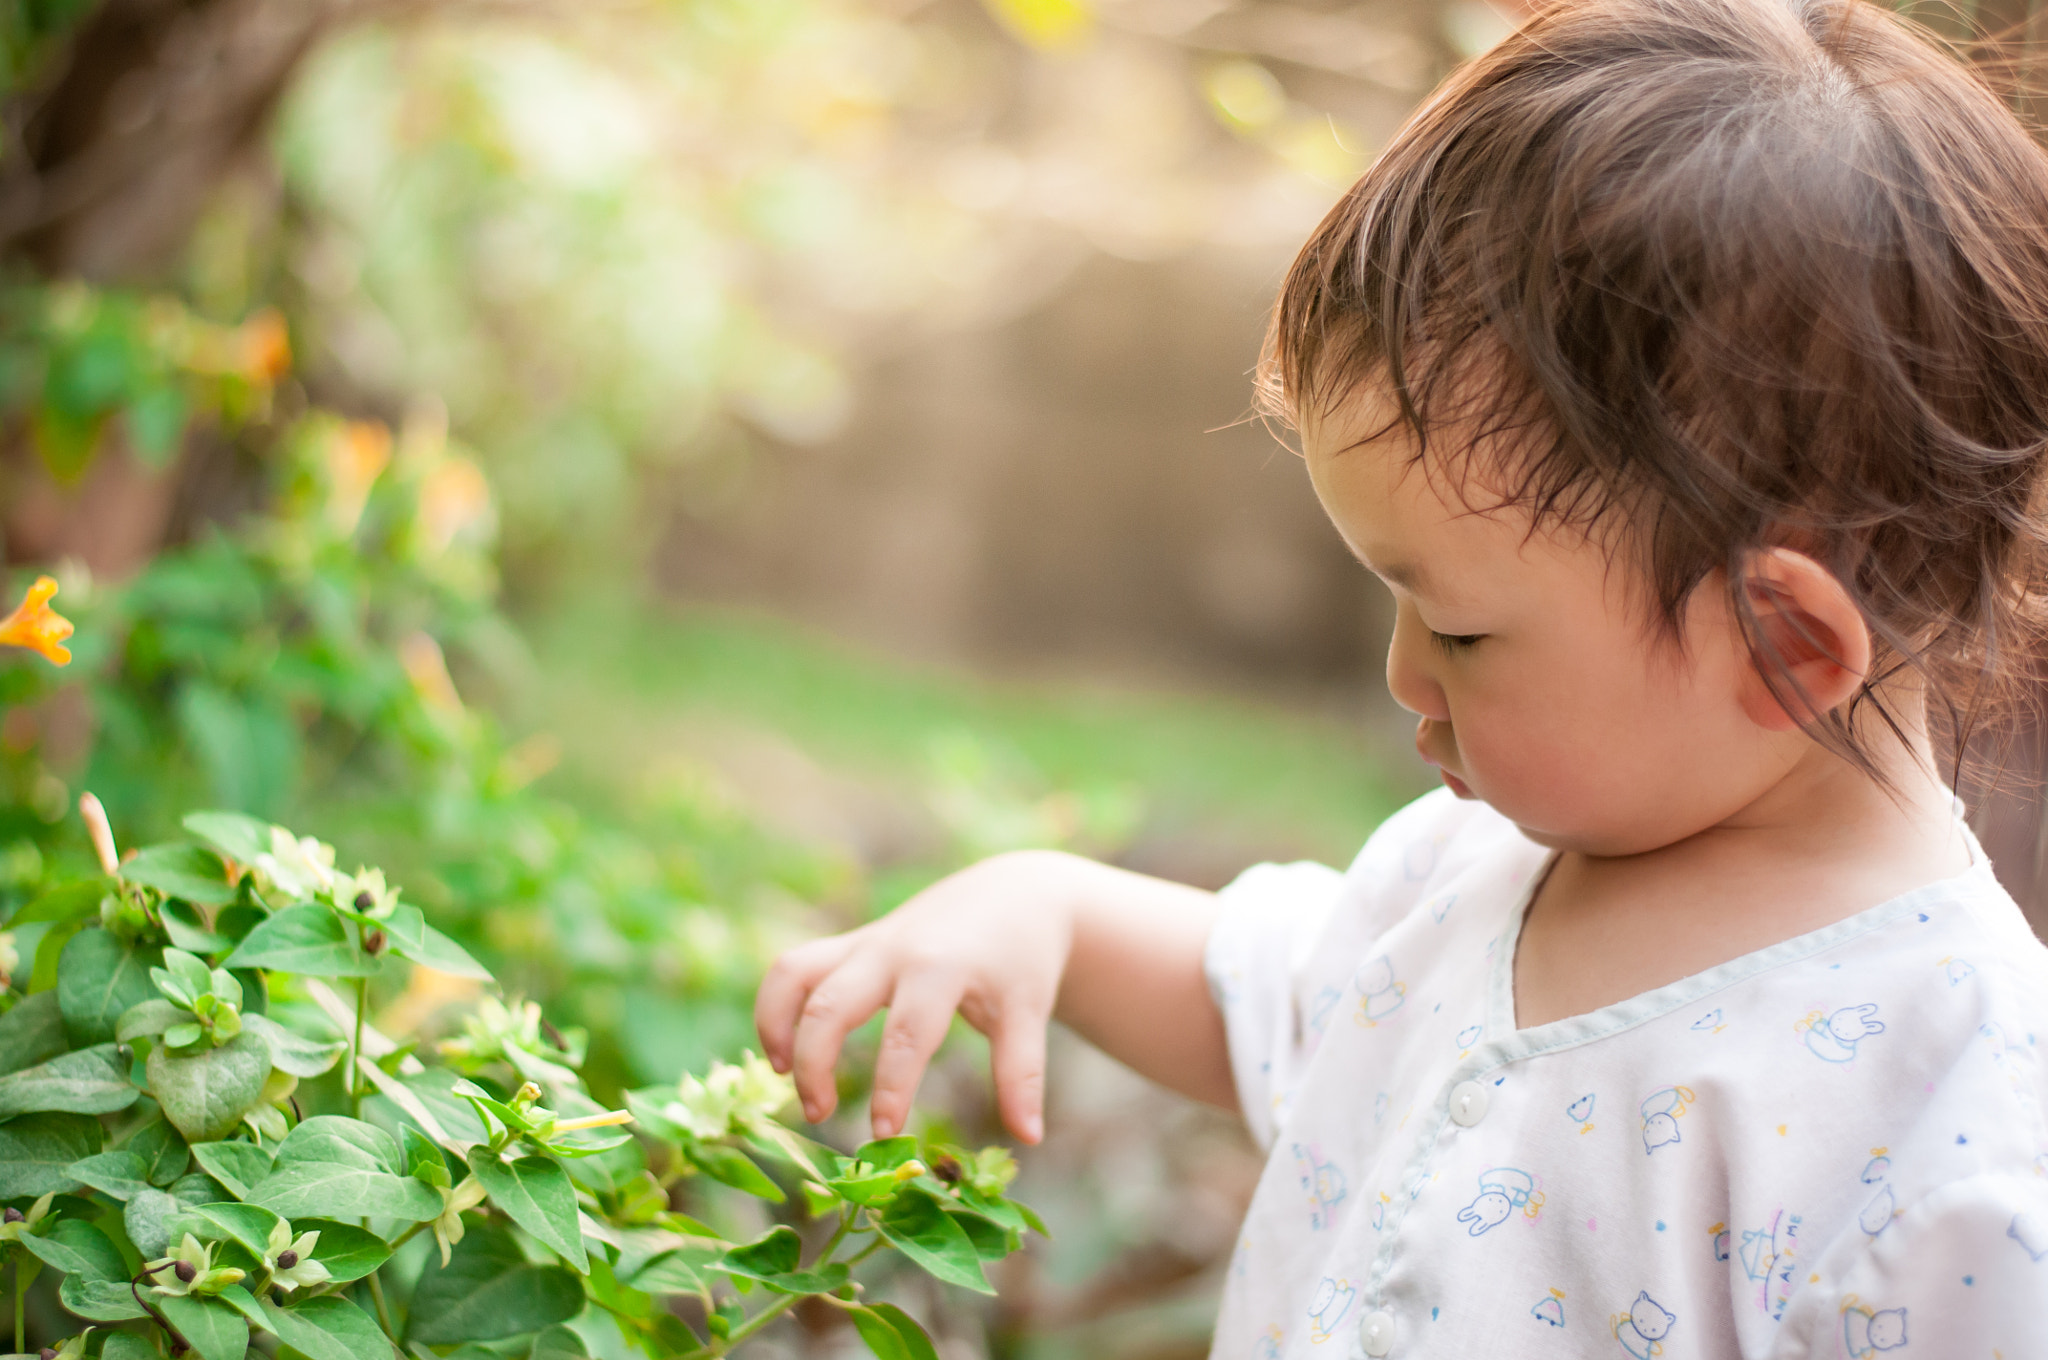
(1452, 643)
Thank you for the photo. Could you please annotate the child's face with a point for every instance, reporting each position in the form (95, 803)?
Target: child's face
(1541, 684)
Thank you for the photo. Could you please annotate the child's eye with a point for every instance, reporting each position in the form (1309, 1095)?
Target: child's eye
(1454, 642)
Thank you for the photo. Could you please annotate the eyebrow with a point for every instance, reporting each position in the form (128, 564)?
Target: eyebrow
(1408, 575)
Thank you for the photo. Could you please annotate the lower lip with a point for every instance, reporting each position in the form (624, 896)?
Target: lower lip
(1454, 784)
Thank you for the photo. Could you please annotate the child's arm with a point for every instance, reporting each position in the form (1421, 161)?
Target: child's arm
(1009, 943)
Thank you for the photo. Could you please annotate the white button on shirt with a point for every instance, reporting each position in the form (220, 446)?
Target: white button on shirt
(1832, 1147)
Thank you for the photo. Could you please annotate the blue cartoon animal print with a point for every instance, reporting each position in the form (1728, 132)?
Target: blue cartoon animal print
(1379, 995)
(1661, 1110)
(1327, 1309)
(1866, 1331)
(1550, 1310)
(1320, 1010)
(1710, 1022)
(2032, 1235)
(1440, 907)
(1874, 1169)
(1322, 1181)
(1833, 1038)
(1269, 1345)
(1643, 1326)
(1580, 1112)
(1955, 970)
(1878, 1214)
(1502, 1190)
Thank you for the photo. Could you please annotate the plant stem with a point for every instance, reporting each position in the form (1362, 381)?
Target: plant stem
(20, 1290)
(355, 1052)
(759, 1320)
(377, 1297)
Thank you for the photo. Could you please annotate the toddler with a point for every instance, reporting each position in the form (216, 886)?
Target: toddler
(1682, 369)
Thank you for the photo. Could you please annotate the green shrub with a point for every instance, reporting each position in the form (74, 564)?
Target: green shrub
(201, 1133)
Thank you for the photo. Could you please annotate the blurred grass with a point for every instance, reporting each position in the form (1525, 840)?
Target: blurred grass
(1278, 780)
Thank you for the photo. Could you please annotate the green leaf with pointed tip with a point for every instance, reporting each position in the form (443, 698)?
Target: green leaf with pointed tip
(242, 1301)
(129, 1346)
(100, 1301)
(120, 1174)
(90, 1081)
(559, 1343)
(776, 1252)
(198, 1188)
(31, 1033)
(423, 1159)
(535, 1193)
(489, 1290)
(734, 1168)
(317, 1189)
(881, 1336)
(148, 1221)
(304, 938)
(412, 938)
(98, 978)
(886, 1154)
(182, 870)
(916, 1225)
(76, 1247)
(334, 1138)
(907, 1327)
(162, 1148)
(204, 1093)
(212, 1328)
(37, 1150)
(348, 1252)
(69, 902)
(151, 1017)
(327, 1328)
(292, 1052)
(248, 1224)
(188, 930)
(233, 834)
(238, 1166)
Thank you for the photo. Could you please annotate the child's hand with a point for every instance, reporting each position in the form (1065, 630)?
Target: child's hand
(1005, 943)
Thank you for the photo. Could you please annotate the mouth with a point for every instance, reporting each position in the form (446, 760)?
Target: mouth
(1423, 732)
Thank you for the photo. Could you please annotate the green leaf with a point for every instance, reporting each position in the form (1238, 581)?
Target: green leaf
(913, 1335)
(76, 1247)
(98, 978)
(348, 1252)
(89, 1081)
(37, 1150)
(242, 1301)
(182, 870)
(213, 1329)
(160, 1146)
(305, 938)
(147, 1220)
(204, 1093)
(238, 1166)
(886, 1154)
(734, 1168)
(333, 1138)
(489, 1290)
(32, 1032)
(535, 1193)
(292, 1052)
(916, 1225)
(119, 1174)
(776, 1252)
(198, 1188)
(879, 1333)
(412, 938)
(991, 1241)
(234, 835)
(318, 1189)
(247, 1224)
(423, 1159)
(674, 1272)
(328, 1328)
(101, 1301)
(70, 902)
(147, 1018)
(559, 1343)
(188, 930)
(129, 1346)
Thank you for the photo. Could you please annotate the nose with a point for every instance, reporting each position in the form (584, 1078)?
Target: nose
(1409, 678)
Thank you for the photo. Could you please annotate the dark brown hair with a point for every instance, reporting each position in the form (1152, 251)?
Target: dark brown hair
(1737, 273)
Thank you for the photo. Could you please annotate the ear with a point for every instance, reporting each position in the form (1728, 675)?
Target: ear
(1813, 642)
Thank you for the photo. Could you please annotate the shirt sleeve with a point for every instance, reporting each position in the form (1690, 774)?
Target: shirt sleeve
(1266, 932)
(1962, 1272)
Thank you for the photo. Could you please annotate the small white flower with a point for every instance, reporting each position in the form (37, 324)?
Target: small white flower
(448, 1227)
(14, 1224)
(290, 1259)
(189, 1269)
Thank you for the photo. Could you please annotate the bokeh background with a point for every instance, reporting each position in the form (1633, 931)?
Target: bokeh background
(671, 477)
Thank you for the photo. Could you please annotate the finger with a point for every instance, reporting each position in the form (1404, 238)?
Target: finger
(919, 1014)
(785, 989)
(1017, 1060)
(835, 1008)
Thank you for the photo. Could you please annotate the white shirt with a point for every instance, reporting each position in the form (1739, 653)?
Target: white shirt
(1830, 1147)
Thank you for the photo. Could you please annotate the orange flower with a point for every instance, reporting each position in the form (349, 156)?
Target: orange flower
(38, 627)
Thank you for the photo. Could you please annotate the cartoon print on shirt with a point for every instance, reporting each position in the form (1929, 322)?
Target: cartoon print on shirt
(1662, 1109)
(1710, 1022)
(1580, 1112)
(1550, 1310)
(1866, 1331)
(1769, 1255)
(1269, 1344)
(1879, 1163)
(1379, 995)
(1440, 907)
(1878, 1214)
(1327, 1309)
(1955, 969)
(1467, 1037)
(1643, 1326)
(1323, 1181)
(2031, 1233)
(1502, 1190)
(1719, 1235)
(1380, 1103)
(1833, 1038)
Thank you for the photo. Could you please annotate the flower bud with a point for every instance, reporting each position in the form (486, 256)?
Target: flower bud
(946, 1168)
(373, 943)
(12, 1215)
(364, 901)
(47, 1353)
(187, 1272)
(287, 1258)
